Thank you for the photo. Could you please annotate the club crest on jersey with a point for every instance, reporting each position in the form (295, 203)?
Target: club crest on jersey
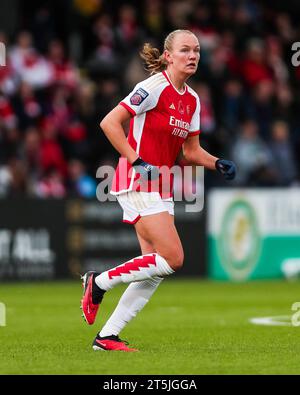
(180, 107)
(138, 97)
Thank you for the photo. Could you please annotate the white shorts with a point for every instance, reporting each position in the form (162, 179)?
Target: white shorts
(139, 204)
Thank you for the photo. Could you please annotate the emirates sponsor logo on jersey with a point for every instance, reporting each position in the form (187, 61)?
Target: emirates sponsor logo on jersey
(181, 127)
(179, 123)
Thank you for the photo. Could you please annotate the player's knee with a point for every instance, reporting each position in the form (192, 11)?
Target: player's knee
(175, 259)
(177, 263)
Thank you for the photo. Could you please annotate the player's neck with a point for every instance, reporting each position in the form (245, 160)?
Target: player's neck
(177, 80)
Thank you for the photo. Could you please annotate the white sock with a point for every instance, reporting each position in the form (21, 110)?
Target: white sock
(138, 269)
(135, 297)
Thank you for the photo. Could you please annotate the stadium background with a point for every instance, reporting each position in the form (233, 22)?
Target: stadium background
(68, 63)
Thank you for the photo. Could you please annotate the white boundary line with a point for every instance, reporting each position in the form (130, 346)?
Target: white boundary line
(278, 320)
(2, 314)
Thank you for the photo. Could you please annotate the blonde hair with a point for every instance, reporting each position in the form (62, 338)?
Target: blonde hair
(154, 60)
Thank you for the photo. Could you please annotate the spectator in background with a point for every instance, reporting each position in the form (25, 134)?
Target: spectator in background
(58, 107)
(105, 59)
(255, 68)
(30, 66)
(5, 180)
(202, 26)
(75, 138)
(208, 121)
(108, 95)
(10, 144)
(27, 107)
(218, 71)
(134, 72)
(52, 156)
(81, 14)
(253, 157)
(51, 185)
(10, 136)
(31, 156)
(223, 15)
(153, 15)
(284, 106)
(178, 14)
(275, 60)
(282, 153)
(17, 178)
(43, 26)
(8, 80)
(19, 52)
(260, 106)
(233, 104)
(80, 183)
(63, 70)
(228, 43)
(129, 33)
(284, 28)
(246, 21)
(8, 118)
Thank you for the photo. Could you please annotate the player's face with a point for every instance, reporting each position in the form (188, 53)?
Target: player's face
(185, 54)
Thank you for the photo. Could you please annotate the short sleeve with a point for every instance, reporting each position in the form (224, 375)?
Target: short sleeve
(195, 122)
(140, 100)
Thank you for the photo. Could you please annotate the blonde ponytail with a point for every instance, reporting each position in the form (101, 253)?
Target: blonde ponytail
(155, 62)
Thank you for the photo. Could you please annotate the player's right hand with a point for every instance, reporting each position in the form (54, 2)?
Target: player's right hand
(147, 172)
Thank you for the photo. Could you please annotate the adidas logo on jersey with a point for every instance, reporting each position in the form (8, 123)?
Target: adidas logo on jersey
(172, 106)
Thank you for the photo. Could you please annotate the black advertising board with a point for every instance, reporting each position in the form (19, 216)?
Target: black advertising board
(48, 239)
(97, 239)
(32, 239)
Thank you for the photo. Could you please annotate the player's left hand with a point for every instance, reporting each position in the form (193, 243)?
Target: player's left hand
(227, 168)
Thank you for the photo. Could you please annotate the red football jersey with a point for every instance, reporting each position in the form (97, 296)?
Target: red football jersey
(162, 118)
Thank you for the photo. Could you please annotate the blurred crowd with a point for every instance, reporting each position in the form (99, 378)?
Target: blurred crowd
(59, 83)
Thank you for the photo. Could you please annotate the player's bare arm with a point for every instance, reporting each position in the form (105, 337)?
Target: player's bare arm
(112, 126)
(196, 155)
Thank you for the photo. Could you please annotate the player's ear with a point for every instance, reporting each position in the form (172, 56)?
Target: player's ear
(167, 56)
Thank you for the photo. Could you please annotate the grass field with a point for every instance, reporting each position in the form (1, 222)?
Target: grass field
(189, 327)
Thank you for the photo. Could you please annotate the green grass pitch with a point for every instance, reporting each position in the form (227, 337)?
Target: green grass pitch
(189, 327)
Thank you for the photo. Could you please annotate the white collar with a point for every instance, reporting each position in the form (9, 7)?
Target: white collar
(169, 79)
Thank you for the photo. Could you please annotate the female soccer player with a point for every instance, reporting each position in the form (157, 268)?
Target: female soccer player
(165, 117)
